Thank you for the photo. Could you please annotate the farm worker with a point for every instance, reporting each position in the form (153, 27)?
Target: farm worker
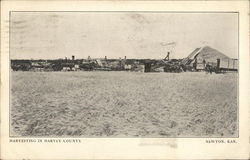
(210, 69)
(204, 63)
(195, 64)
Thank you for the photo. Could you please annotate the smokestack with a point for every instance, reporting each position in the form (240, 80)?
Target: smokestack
(105, 58)
(73, 57)
(125, 57)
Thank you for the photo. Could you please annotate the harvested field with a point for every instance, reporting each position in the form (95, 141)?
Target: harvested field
(123, 104)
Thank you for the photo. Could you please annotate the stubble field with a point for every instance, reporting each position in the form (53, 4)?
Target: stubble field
(123, 104)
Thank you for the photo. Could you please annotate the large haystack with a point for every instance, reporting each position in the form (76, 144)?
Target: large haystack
(207, 55)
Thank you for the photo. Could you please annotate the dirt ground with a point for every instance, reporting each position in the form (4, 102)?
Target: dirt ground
(123, 104)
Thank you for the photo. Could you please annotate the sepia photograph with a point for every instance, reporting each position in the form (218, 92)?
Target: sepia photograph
(124, 74)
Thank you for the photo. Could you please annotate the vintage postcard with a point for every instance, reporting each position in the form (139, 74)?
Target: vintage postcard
(124, 80)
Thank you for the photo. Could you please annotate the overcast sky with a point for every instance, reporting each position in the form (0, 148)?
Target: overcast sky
(52, 35)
